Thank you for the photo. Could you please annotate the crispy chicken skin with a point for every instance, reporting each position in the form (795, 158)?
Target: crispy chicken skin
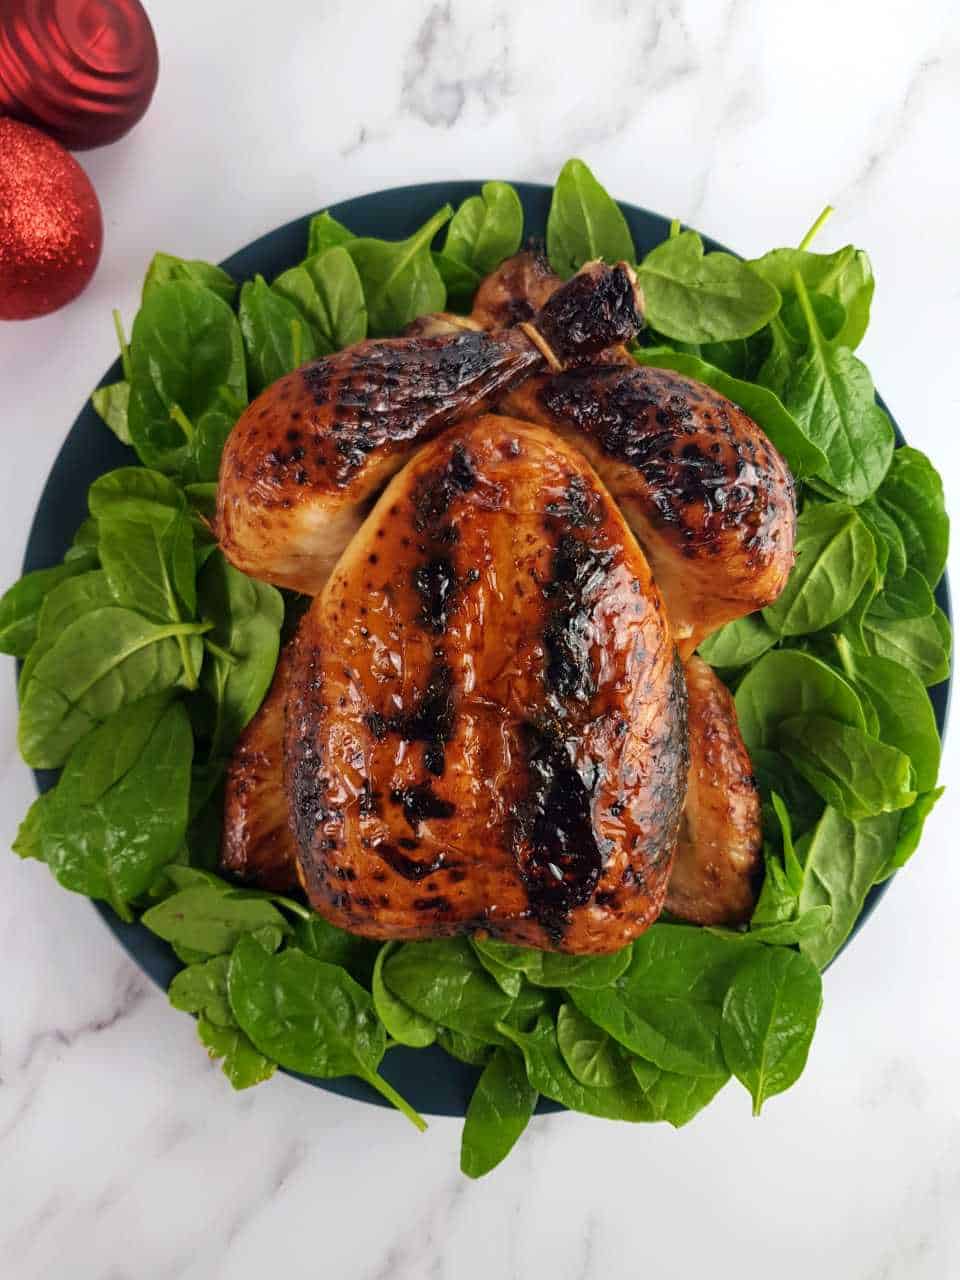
(307, 456)
(486, 725)
(708, 497)
(257, 845)
(717, 867)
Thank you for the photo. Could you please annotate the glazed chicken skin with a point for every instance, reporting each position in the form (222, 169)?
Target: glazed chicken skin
(486, 725)
(307, 456)
(717, 867)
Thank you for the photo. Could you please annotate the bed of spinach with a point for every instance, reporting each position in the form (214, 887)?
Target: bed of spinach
(145, 654)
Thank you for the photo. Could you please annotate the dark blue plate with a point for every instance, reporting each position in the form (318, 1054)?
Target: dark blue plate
(433, 1082)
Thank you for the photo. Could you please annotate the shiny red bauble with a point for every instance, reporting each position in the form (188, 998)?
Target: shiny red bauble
(51, 228)
(83, 71)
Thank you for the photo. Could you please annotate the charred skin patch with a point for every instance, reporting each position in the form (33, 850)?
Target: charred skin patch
(409, 868)
(431, 721)
(436, 584)
(420, 802)
(436, 490)
(554, 841)
(579, 570)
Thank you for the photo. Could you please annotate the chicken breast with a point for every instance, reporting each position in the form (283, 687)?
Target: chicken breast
(717, 867)
(487, 726)
(306, 457)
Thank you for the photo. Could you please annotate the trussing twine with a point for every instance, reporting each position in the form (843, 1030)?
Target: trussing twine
(542, 346)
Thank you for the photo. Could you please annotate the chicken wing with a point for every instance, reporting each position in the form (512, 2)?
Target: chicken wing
(305, 458)
(486, 725)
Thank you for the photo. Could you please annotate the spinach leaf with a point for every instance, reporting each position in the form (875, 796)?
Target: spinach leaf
(188, 381)
(326, 233)
(400, 280)
(309, 1016)
(908, 596)
(904, 711)
(922, 645)
(63, 604)
(769, 1017)
(738, 643)
(206, 919)
(550, 1075)
(553, 968)
(584, 223)
(112, 403)
(508, 979)
(28, 842)
(243, 1065)
(165, 267)
(276, 338)
(803, 456)
(912, 496)
(403, 1023)
(446, 983)
(324, 941)
(785, 683)
(593, 1057)
(909, 832)
(699, 297)
(854, 772)
(103, 661)
(777, 902)
(20, 605)
(468, 1049)
(788, 932)
(460, 281)
(830, 393)
(499, 1111)
(243, 646)
(891, 549)
(842, 862)
(202, 989)
(666, 1007)
(486, 229)
(672, 1097)
(845, 276)
(328, 292)
(119, 811)
(834, 556)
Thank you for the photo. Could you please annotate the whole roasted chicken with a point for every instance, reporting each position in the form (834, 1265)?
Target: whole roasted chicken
(483, 721)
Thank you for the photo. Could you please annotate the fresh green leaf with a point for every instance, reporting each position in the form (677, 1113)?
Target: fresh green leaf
(508, 979)
(910, 830)
(908, 596)
(499, 1111)
(328, 293)
(20, 605)
(309, 1016)
(698, 297)
(785, 683)
(486, 228)
(247, 616)
(891, 548)
(912, 496)
(842, 863)
(460, 281)
(584, 223)
(834, 556)
(243, 1065)
(468, 1049)
(738, 643)
(202, 988)
(593, 1057)
(403, 1023)
(119, 811)
(112, 404)
(769, 1017)
(845, 276)
(803, 456)
(853, 771)
(324, 941)
(28, 842)
(207, 920)
(326, 233)
(788, 932)
(554, 968)
(550, 1075)
(672, 1097)
(399, 278)
(922, 645)
(276, 337)
(188, 379)
(445, 982)
(904, 712)
(165, 268)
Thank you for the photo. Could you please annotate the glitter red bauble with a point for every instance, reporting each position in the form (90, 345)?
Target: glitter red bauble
(83, 71)
(51, 229)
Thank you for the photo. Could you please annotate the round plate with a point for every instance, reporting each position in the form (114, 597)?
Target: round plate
(433, 1082)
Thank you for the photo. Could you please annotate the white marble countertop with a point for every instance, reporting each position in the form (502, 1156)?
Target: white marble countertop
(123, 1153)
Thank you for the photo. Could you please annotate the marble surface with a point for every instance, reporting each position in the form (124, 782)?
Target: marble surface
(122, 1151)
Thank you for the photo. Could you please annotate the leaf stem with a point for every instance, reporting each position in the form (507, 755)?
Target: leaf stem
(401, 1104)
(122, 341)
(817, 225)
(674, 228)
(296, 342)
(224, 654)
(182, 421)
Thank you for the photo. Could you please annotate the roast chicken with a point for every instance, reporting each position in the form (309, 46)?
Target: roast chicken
(486, 726)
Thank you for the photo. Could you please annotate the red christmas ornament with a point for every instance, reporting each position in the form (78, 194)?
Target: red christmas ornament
(51, 229)
(83, 71)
